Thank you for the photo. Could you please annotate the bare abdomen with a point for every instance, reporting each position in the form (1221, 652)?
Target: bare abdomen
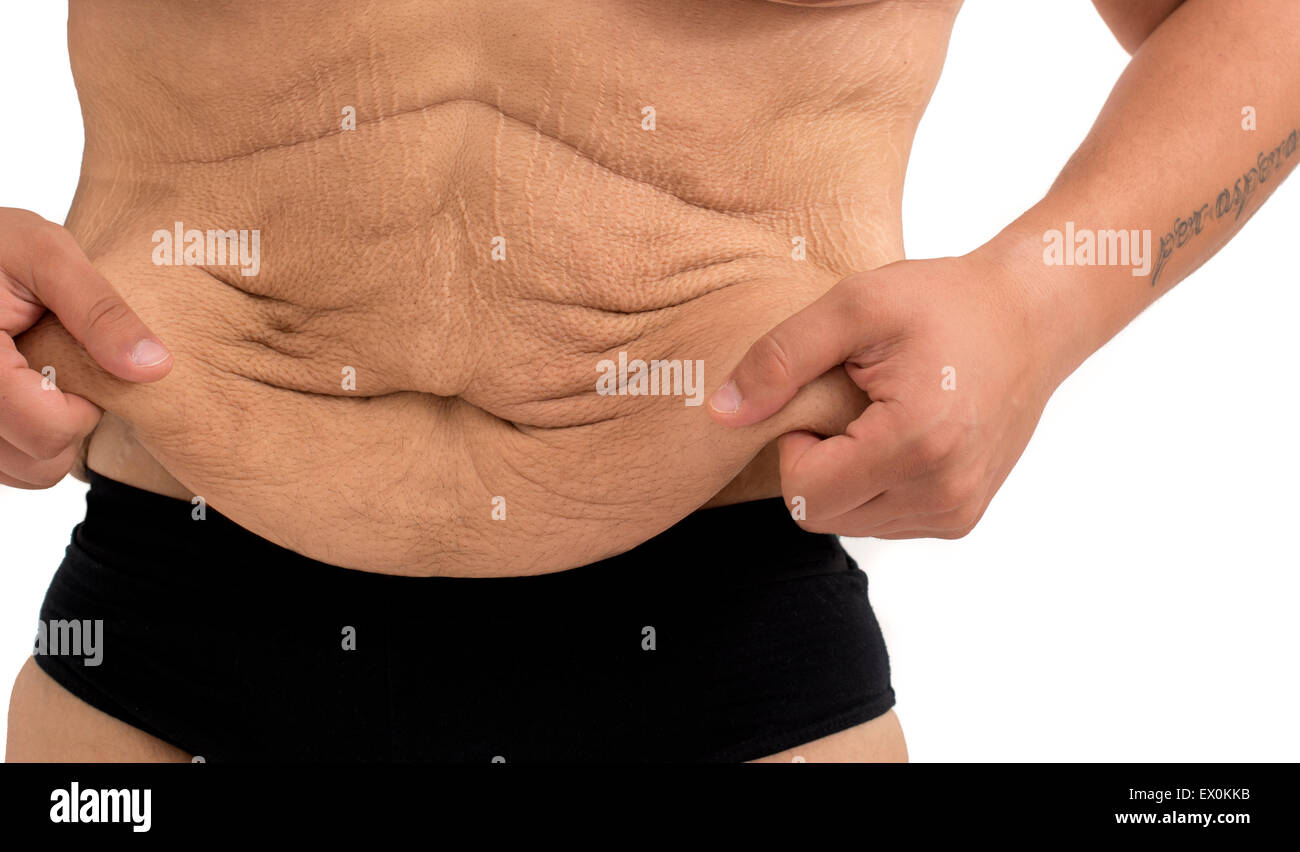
(409, 382)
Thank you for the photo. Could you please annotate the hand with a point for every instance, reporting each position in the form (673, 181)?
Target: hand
(949, 352)
(42, 428)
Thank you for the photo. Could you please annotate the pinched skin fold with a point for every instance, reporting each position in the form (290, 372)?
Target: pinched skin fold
(475, 377)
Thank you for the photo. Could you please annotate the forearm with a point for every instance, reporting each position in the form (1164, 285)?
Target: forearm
(1169, 156)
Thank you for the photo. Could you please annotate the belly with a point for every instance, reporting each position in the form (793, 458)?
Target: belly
(471, 335)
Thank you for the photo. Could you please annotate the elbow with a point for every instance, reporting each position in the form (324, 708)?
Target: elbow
(1133, 21)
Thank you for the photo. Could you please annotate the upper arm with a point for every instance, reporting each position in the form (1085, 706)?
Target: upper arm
(1133, 20)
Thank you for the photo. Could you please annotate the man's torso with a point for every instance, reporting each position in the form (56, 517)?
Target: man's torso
(408, 383)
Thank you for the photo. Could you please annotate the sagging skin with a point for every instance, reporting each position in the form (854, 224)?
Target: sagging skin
(797, 123)
(770, 168)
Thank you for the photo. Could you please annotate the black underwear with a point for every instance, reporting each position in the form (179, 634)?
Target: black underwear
(731, 636)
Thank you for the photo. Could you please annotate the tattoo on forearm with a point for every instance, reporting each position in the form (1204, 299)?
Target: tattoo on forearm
(1230, 202)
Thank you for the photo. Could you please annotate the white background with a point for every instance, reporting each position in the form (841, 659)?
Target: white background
(1131, 593)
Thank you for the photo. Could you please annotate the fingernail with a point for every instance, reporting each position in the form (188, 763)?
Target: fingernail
(726, 399)
(148, 353)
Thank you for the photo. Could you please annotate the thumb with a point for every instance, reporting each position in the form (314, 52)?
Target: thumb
(803, 347)
(47, 261)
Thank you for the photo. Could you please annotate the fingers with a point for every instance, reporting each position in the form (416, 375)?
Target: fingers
(886, 517)
(821, 336)
(841, 473)
(952, 524)
(883, 479)
(19, 470)
(36, 418)
(44, 259)
(14, 482)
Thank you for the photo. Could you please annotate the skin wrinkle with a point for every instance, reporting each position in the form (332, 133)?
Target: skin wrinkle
(560, 112)
(331, 134)
(668, 192)
(619, 106)
(573, 493)
(496, 167)
(649, 309)
(673, 244)
(602, 99)
(530, 203)
(551, 151)
(464, 306)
